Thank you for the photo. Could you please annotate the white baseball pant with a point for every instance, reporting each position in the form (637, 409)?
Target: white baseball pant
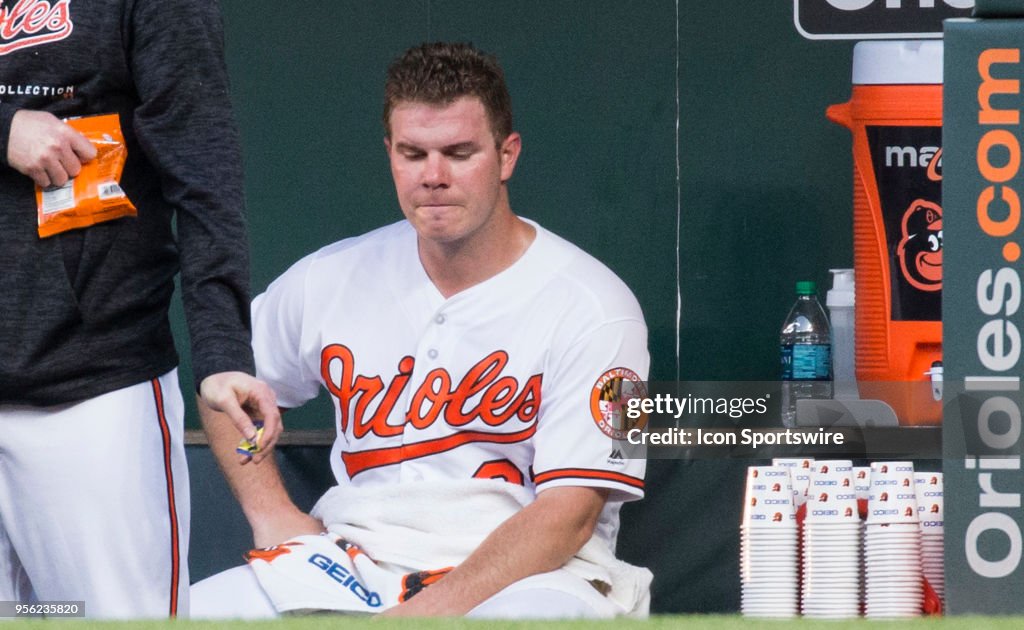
(94, 502)
(237, 594)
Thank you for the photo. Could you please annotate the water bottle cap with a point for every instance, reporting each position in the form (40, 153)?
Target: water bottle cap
(806, 287)
(910, 62)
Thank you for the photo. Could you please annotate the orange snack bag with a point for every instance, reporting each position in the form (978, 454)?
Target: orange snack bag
(95, 195)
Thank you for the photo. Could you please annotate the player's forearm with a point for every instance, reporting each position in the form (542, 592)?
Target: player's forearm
(540, 538)
(258, 488)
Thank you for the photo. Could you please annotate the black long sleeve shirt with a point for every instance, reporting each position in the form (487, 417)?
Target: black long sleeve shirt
(86, 312)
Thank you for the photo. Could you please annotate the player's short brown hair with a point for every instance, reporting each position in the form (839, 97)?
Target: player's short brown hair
(438, 73)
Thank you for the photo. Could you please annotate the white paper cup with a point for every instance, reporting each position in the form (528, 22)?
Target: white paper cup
(862, 481)
(892, 498)
(800, 475)
(831, 497)
(930, 503)
(768, 499)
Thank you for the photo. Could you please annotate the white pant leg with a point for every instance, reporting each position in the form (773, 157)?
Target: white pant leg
(14, 586)
(236, 594)
(94, 500)
(231, 594)
(553, 595)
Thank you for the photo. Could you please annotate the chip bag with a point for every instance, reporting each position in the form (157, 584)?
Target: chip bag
(94, 195)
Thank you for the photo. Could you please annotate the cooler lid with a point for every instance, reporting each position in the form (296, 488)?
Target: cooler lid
(910, 62)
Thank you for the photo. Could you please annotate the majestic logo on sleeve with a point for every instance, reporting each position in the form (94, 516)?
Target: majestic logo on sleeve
(609, 399)
(365, 403)
(25, 23)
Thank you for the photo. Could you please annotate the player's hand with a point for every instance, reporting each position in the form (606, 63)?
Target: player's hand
(46, 149)
(246, 400)
(284, 527)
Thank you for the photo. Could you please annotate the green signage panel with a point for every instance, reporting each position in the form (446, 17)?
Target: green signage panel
(982, 315)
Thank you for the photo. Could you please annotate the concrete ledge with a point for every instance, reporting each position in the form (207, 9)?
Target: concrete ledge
(290, 437)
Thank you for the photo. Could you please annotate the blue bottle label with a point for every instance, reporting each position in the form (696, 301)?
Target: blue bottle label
(806, 362)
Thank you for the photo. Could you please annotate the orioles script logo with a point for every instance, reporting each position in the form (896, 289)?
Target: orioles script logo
(497, 398)
(25, 23)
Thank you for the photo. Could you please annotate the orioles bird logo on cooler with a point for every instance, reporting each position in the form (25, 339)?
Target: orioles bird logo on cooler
(920, 248)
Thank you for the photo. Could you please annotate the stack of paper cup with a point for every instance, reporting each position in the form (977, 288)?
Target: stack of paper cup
(892, 544)
(768, 544)
(800, 469)
(930, 511)
(832, 539)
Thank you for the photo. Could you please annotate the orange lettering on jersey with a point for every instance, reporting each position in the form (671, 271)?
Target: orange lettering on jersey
(500, 469)
(435, 390)
(25, 23)
(363, 390)
(499, 397)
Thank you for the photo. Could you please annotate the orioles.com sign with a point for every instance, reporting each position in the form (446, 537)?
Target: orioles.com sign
(983, 315)
(875, 19)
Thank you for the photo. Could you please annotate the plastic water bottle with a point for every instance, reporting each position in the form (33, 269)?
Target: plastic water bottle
(806, 349)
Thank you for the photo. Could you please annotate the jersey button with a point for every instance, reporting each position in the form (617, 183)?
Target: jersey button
(440, 318)
(432, 353)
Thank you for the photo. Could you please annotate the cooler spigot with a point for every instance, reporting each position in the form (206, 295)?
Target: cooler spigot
(936, 374)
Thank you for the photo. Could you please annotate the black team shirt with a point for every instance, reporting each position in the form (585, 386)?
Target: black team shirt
(85, 312)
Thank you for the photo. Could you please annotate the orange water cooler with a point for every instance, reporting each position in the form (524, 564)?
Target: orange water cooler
(895, 117)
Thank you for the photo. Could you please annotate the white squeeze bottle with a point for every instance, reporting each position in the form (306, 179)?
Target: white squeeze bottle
(840, 300)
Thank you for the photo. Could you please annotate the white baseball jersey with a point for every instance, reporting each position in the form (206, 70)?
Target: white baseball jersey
(520, 377)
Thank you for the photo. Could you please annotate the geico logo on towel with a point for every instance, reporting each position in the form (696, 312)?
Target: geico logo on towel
(342, 576)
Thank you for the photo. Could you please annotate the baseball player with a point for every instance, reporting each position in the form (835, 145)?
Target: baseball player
(94, 503)
(462, 343)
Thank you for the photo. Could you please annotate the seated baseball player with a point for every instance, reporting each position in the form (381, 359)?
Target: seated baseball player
(479, 365)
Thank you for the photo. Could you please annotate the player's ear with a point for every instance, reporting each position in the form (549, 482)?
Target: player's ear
(508, 152)
(387, 144)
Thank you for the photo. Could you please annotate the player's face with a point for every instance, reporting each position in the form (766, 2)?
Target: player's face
(448, 173)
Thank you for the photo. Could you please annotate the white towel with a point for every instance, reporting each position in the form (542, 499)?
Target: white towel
(408, 525)
(323, 572)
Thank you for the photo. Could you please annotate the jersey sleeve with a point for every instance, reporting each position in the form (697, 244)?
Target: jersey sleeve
(185, 126)
(7, 113)
(582, 415)
(278, 319)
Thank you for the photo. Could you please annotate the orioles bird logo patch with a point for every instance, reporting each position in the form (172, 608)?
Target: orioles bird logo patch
(609, 400)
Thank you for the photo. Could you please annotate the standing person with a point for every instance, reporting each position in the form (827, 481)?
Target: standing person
(478, 364)
(94, 502)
